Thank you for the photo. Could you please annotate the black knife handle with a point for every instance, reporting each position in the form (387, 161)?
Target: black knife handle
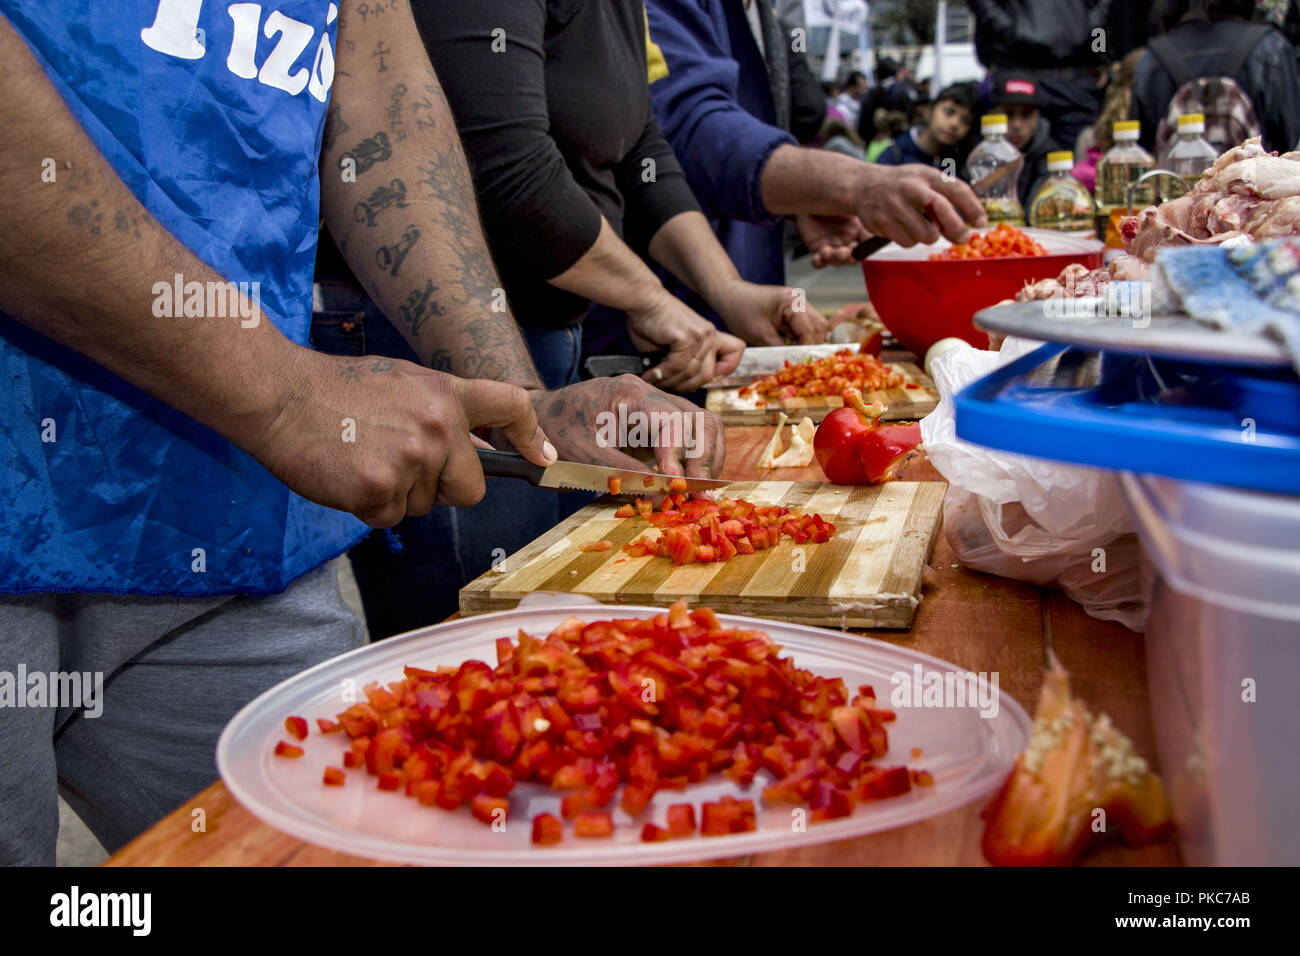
(509, 464)
(604, 366)
(869, 247)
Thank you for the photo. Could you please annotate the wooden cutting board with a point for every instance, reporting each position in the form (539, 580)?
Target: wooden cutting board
(867, 575)
(912, 400)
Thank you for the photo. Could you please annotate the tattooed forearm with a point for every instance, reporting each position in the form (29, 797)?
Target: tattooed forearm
(427, 266)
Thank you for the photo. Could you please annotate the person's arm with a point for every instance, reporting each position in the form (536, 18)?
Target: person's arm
(909, 204)
(612, 274)
(721, 146)
(759, 314)
(664, 218)
(405, 216)
(538, 218)
(91, 288)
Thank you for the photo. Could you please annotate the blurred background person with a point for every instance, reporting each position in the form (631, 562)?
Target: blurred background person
(838, 137)
(1060, 43)
(849, 101)
(1194, 43)
(937, 143)
(721, 103)
(888, 126)
(1018, 97)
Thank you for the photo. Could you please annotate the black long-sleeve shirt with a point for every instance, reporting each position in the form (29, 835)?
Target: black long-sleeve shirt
(559, 130)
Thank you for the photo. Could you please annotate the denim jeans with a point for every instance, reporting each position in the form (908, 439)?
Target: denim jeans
(411, 575)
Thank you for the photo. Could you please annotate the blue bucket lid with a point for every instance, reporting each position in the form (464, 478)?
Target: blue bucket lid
(1186, 420)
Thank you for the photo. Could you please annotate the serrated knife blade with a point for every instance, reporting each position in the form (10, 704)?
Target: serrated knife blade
(574, 476)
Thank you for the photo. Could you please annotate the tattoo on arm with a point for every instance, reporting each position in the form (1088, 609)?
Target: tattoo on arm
(371, 152)
(356, 370)
(394, 112)
(389, 258)
(419, 306)
(394, 194)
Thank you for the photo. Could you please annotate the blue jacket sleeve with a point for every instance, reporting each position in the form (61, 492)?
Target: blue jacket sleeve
(722, 148)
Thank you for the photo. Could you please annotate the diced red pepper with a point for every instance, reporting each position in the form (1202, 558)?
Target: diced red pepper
(334, 777)
(297, 726)
(490, 809)
(548, 829)
(285, 749)
(593, 824)
(681, 819)
(653, 834)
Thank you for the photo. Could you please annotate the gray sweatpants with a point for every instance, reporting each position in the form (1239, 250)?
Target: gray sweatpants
(175, 670)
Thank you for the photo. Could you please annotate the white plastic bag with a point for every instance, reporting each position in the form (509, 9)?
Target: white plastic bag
(1051, 524)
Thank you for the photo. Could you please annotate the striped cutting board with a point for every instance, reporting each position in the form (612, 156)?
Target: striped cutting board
(868, 575)
(913, 400)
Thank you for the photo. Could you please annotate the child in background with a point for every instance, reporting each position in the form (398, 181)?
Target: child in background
(889, 125)
(937, 141)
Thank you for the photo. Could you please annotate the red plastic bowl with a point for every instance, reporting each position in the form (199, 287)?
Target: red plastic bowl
(922, 302)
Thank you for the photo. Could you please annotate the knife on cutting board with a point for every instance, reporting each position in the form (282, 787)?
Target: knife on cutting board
(572, 476)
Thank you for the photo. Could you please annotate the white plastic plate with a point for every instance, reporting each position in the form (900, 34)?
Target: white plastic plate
(968, 755)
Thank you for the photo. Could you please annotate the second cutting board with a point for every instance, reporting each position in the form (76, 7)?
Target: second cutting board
(912, 400)
(868, 575)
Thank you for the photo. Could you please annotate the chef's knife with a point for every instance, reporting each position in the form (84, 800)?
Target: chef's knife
(571, 476)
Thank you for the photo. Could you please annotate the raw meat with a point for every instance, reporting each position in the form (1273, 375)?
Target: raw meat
(1240, 194)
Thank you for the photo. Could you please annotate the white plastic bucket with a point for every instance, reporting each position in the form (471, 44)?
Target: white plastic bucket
(1223, 665)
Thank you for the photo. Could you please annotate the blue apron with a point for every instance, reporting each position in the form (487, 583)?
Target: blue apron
(211, 113)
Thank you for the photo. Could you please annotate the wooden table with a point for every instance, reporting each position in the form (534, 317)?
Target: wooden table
(977, 622)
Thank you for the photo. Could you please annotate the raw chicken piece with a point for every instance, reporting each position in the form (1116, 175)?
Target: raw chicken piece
(1128, 268)
(1246, 150)
(1281, 218)
(1271, 177)
(1042, 289)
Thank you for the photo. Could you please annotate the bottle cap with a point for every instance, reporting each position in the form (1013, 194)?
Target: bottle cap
(1191, 123)
(1058, 161)
(1126, 129)
(993, 123)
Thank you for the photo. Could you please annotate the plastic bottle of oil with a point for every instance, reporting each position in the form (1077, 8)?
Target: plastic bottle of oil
(994, 151)
(1122, 165)
(1062, 202)
(1190, 155)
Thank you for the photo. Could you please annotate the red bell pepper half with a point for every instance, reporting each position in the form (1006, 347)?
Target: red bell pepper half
(853, 448)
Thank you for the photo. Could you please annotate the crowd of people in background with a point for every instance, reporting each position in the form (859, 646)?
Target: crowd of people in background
(1062, 89)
